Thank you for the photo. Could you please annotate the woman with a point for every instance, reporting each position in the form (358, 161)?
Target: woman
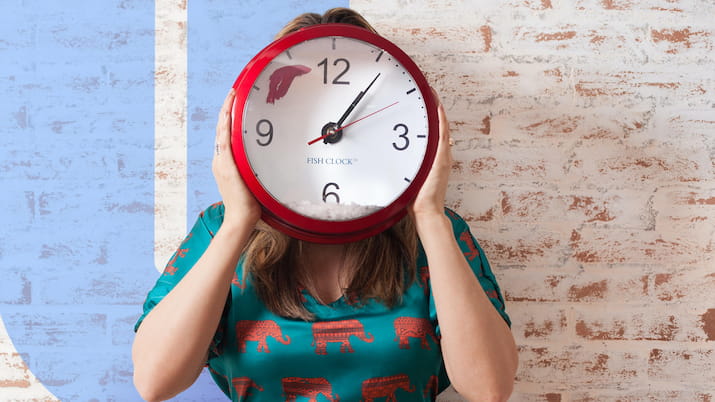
(276, 318)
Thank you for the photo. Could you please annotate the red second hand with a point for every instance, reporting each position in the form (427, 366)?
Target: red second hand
(350, 124)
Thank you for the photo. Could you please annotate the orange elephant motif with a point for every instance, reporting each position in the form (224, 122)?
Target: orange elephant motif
(424, 279)
(467, 238)
(379, 387)
(258, 331)
(413, 327)
(294, 387)
(243, 385)
(338, 331)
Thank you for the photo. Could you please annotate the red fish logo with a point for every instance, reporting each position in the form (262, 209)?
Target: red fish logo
(279, 82)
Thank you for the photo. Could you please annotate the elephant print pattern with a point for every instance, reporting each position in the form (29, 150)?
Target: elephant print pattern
(258, 331)
(243, 386)
(424, 279)
(411, 327)
(385, 387)
(310, 388)
(180, 253)
(467, 239)
(338, 331)
(354, 349)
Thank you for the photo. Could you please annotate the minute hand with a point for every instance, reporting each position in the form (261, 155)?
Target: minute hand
(355, 103)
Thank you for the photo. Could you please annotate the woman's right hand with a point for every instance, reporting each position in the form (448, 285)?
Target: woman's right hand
(240, 205)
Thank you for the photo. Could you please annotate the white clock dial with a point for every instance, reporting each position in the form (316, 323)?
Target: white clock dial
(301, 95)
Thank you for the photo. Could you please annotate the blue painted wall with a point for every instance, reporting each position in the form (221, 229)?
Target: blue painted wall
(77, 168)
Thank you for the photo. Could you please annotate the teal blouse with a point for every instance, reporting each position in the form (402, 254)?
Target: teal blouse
(351, 352)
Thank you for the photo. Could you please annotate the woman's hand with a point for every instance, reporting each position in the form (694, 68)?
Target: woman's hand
(430, 199)
(240, 205)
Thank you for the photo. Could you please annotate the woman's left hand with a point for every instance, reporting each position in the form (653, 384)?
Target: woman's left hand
(240, 206)
(431, 197)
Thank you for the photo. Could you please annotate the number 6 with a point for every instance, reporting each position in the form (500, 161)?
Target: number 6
(334, 194)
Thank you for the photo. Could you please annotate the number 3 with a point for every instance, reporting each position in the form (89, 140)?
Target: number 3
(403, 136)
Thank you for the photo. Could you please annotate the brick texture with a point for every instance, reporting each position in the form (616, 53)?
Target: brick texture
(585, 165)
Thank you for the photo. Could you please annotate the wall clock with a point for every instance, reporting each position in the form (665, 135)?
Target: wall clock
(334, 131)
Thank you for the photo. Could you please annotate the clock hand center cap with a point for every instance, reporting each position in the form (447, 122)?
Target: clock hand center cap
(331, 133)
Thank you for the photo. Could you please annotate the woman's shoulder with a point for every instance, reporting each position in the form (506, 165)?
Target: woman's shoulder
(458, 223)
(212, 217)
(459, 227)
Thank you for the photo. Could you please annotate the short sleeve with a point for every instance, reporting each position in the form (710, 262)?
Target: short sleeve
(477, 260)
(187, 254)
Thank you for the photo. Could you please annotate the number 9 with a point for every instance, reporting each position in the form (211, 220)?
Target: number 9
(266, 134)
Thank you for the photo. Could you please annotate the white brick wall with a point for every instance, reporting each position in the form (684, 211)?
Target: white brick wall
(585, 164)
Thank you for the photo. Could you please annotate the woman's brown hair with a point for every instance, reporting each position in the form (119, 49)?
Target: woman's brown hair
(334, 15)
(380, 267)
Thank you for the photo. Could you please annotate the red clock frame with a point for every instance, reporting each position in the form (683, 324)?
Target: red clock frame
(310, 229)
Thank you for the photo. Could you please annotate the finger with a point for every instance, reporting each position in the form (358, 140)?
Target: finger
(225, 111)
(445, 141)
(443, 124)
(228, 102)
(442, 118)
(223, 127)
(435, 95)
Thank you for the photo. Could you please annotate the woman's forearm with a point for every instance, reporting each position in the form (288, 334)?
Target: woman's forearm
(171, 344)
(477, 345)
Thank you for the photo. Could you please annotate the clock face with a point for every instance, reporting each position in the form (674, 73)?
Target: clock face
(335, 128)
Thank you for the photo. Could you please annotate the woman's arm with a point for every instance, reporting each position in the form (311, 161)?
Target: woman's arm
(477, 346)
(171, 344)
